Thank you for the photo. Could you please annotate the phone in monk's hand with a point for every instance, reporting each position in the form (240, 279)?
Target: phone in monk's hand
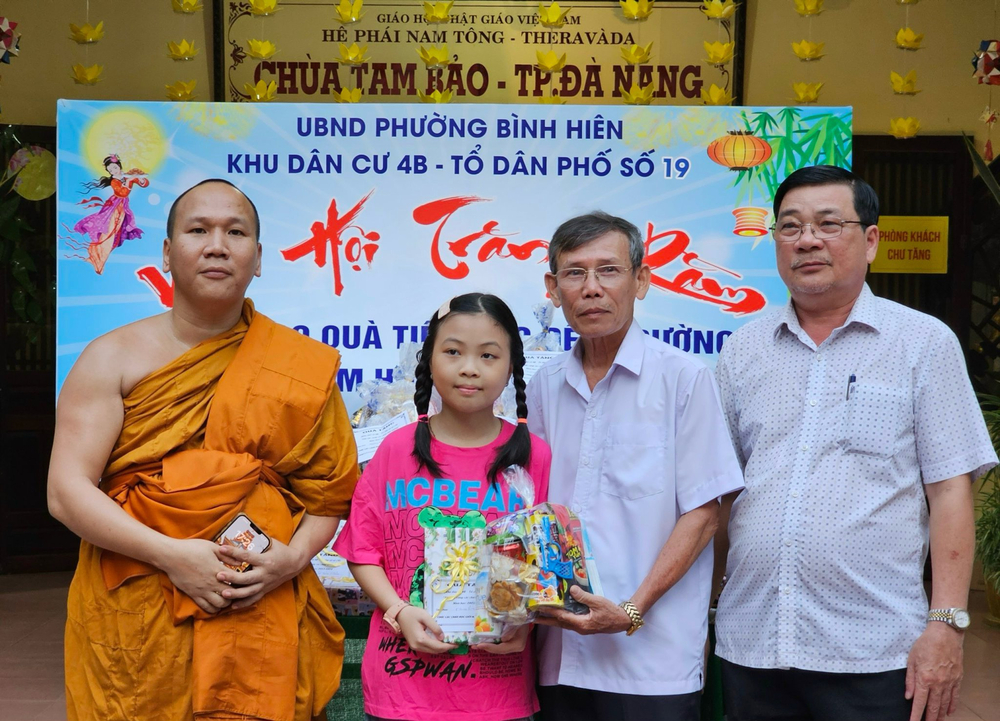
(243, 533)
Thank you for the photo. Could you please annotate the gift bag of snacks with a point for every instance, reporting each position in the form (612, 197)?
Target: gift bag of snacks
(537, 555)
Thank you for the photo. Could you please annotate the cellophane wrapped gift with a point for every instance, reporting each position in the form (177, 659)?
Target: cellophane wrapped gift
(345, 594)
(543, 340)
(506, 405)
(456, 565)
(383, 400)
(537, 555)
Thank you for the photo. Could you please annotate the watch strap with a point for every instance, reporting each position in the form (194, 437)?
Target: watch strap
(390, 615)
(946, 615)
(634, 615)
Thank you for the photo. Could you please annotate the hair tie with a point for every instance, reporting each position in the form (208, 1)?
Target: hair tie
(522, 420)
(445, 308)
(422, 418)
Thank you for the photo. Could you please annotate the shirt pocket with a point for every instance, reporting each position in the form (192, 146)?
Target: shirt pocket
(635, 461)
(876, 416)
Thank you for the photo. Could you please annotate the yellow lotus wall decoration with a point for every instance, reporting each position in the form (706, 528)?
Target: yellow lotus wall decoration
(183, 50)
(552, 16)
(89, 75)
(636, 54)
(181, 91)
(86, 33)
(261, 92)
(903, 128)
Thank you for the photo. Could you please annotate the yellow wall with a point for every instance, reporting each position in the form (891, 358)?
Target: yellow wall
(859, 34)
(861, 51)
(133, 52)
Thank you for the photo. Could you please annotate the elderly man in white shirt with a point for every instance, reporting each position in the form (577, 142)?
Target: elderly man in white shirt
(640, 451)
(847, 411)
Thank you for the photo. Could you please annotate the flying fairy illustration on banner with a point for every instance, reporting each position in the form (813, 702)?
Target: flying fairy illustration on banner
(114, 223)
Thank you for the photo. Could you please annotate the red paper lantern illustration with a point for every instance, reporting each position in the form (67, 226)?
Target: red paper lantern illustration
(739, 150)
(750, 222)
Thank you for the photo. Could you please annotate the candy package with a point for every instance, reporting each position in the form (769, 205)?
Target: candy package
(537, 555)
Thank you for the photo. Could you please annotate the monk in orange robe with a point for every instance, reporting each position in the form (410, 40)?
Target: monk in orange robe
(168, 428)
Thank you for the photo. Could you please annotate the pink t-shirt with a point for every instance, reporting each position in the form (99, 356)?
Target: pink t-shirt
(383, 530)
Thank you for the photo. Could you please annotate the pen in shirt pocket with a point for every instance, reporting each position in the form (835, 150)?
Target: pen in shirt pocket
(852, 379)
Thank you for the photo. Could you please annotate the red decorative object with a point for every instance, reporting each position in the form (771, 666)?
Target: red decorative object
(750, 222)
(10, 41)
(986, 64)
(739, 150)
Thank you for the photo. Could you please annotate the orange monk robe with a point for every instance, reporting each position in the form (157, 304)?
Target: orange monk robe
(250, 421)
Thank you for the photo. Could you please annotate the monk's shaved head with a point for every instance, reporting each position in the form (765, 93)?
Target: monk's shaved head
(172, 215)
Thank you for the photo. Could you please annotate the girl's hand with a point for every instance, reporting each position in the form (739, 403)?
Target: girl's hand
(512, 641)
(421, 631)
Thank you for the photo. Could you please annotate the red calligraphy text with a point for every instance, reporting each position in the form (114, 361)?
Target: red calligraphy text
(339, 231)
(162, 288)
(690, 279)
(495, 243)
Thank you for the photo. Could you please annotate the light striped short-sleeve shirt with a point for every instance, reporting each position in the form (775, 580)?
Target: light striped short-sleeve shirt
(646, 445)
(828, 540)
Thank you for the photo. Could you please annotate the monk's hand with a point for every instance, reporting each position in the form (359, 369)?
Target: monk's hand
(192, 565)
(605, 616)
(421, 631)
(281, 563)
(513, 641)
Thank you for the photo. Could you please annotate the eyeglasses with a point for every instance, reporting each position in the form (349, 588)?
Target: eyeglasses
(607, 275)
(788, 231)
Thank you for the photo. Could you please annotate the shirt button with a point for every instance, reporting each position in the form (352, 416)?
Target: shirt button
(585, 461)
(592, 414)
(788, 542)
(805, 446)
(795, 494)
(812, 402)
(786, 590)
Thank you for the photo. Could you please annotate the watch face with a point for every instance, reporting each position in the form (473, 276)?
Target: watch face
(962, 619)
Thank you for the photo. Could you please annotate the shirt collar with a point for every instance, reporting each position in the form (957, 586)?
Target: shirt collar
(866, 311)
(629, 356)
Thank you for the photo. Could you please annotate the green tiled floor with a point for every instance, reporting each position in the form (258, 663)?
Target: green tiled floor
(348, 703)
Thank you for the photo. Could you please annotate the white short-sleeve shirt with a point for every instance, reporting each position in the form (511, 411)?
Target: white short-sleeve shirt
(647, 445)
(829, 538)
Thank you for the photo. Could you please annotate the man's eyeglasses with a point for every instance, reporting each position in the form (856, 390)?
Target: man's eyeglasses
(788, 231)
(607, 275)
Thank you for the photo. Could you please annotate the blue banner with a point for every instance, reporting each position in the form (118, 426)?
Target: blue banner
(373, 215)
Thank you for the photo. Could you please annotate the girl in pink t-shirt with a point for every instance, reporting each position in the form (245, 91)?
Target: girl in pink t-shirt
(452, 464)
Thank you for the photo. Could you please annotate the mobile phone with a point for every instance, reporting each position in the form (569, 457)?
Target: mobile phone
(243, 533)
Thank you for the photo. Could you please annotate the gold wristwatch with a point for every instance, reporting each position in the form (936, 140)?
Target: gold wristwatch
(633, 613)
